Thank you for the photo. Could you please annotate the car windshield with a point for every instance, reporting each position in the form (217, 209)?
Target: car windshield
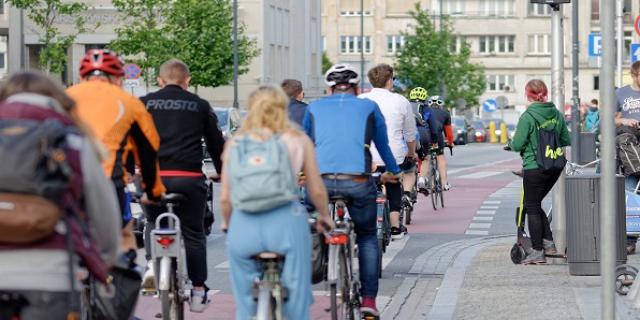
(477, 124)
(223, 117)
(511, 126)
(459, 122)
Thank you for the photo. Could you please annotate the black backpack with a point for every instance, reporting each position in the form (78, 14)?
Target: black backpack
(549, 156)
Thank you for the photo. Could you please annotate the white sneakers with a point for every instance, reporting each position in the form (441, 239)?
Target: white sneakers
(148, 280)
(198, 303)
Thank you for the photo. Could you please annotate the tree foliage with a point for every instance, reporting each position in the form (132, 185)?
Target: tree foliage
(427, 60)
(198, 32)
(202, 37)
(143, 36)
(44, 14)
(326, 63)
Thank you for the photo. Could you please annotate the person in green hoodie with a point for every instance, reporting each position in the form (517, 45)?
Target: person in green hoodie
(537, 184)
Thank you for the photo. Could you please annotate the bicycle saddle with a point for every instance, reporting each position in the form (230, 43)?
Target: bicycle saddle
(267, 256)
(175, 197)
(338, 197)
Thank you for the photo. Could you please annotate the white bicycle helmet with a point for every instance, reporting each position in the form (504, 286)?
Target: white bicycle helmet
(341, 74)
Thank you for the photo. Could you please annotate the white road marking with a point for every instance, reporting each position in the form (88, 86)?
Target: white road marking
(478, 232)
(486, 212)
(492, 202)
(479, 175)
(483, 218)
(489, 207)
(479, 225)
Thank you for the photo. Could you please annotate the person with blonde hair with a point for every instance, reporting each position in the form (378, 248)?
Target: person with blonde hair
(182, 120)
(540, 115)
(38, 273)
(283, 229)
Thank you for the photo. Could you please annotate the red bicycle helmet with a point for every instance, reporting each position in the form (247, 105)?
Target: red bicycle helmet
(101, 61)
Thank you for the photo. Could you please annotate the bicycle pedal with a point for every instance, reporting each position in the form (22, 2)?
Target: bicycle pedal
(147, 292)
(371, 318)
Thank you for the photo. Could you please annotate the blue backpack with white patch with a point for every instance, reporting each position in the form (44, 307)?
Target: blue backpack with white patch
(260, 174)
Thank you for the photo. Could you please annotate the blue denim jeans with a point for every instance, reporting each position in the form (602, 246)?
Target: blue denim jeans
(362, 209)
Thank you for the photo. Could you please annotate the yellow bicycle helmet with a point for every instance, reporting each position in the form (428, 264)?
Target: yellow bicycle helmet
(418, 93)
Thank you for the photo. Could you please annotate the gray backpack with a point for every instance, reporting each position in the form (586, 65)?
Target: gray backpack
(260, 174)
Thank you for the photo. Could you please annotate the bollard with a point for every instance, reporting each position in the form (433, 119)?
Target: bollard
(504, 133)
(493, 138)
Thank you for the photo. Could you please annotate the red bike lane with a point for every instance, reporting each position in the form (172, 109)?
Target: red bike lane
(461, 204)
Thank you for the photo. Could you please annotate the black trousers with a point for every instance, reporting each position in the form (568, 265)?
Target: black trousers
(536, 186)
(191, 215)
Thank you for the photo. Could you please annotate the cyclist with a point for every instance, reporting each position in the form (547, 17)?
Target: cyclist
(183, 119)
(122, 123)
(293, 89)
(401, 129)
(444, 128)
(427, 129)
(342, 128)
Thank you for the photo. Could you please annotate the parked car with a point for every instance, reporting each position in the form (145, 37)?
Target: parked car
(463, 131)
(229, 120)
(481, 134)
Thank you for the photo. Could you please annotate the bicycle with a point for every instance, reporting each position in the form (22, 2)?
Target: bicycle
(342, 276)
(267, 289)
(434, 184)
(384, 218)
(167, 251)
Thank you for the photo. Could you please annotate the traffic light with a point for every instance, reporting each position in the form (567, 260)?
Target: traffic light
(550, 1)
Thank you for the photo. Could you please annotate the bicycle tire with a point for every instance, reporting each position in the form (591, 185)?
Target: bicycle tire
(266, 304)
(172, 305)
(380, 243)
(433, 189)
(407, 215)
(441, 195)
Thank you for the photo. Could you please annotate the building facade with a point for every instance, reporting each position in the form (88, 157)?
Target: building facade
(287, 33)
(510, 38)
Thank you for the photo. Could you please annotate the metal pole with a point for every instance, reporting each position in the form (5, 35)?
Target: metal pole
(440, 34)
(559, 222)
(575, 109)
(607, 168)
(619, 8)
(362, 43)
(235, 54)
(22, 51)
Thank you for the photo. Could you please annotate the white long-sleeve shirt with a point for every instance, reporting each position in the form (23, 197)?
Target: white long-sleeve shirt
(401, 126)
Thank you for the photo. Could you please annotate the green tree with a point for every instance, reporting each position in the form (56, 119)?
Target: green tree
(427, 60)
(326, 63)
(44, 14)
(143, 35)
(202, 37)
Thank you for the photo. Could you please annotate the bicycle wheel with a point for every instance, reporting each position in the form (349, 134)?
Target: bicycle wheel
(172, 305)
(407, 214)
(337, 272)
(266, 304)
(432, 189)
(441, 191)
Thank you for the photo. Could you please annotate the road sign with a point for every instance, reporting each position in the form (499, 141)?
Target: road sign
(595, 44)
(489, 105)
(131, 82)
(636, 25)
(132, 71)
(634, 49)
(502, 102)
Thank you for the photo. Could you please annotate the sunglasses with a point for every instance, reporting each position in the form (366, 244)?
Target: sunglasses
(438, 102)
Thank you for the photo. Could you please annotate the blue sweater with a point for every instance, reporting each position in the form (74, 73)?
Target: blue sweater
(342, 127)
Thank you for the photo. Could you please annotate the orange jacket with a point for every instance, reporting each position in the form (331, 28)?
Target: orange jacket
(123, 124)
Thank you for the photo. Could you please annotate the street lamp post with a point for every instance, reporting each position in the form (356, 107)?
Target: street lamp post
(235, 54)
(362, 43)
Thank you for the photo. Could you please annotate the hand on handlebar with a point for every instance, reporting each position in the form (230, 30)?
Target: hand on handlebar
(215, 177)
(507, 148)
(388, 177)
(148, 202)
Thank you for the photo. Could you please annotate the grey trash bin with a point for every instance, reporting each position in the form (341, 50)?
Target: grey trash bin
(583, 224)
(587, 147)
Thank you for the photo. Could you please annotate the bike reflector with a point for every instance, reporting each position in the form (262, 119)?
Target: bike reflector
(340, 211)
(380, 219)
(165, 241)
(381, 200)
(336, 239)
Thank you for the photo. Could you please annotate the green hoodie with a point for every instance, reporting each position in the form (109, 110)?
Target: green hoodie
(525, 139)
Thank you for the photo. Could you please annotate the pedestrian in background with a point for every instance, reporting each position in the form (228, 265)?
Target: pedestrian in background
(539, 115)
(297, 108)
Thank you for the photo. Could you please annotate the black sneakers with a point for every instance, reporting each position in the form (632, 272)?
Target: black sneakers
(396, 233)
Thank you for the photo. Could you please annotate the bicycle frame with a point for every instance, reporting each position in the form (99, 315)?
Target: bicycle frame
(268, 289)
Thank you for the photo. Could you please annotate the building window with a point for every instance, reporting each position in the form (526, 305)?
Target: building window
(456, 44)
(546, 78)
(355, 13)
(394, 43)
(500, 8)
(353, 44)
(596, 83)
(536, 9)
(453, 7)
(498, 82)
(540, 44)
(324, 44)
(497, 44)
(2, 60)
(1, 7)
